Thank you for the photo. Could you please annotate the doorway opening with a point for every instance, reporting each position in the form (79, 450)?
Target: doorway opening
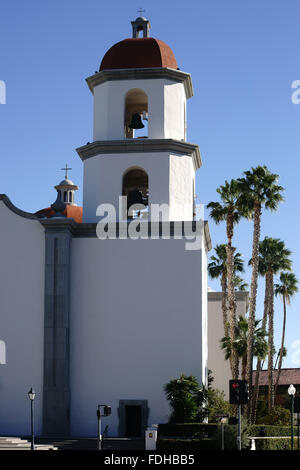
(133, 418)
(133, 421)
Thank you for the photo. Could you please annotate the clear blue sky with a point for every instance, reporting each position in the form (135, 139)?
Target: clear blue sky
(243, 57)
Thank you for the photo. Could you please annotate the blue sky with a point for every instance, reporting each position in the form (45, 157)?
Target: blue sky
(243, 57)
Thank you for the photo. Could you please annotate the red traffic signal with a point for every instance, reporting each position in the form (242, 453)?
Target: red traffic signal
(238, 392)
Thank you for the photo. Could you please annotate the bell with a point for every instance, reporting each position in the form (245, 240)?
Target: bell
(134, 197)
(136, 122)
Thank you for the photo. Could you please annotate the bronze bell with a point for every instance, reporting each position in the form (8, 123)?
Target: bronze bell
(135, 197)
(136, 122)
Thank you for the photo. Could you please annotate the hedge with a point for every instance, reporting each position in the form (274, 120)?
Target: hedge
(203, 436)
(184, 445)
(261, 430)
(264, 430)
(195, 430)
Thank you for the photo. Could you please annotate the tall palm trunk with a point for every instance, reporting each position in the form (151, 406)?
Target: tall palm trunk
(244, 367)
(224, 302)
(282, 345)
(231, 295)
(271, 344)
(259, 361)
(252, 308)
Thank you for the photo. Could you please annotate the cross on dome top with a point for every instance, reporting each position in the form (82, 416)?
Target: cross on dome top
(66, 169)
(140, 11)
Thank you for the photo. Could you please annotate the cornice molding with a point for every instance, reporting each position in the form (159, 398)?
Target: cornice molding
(59, 225)
(142, 74)
(140, 145)
(241, 296)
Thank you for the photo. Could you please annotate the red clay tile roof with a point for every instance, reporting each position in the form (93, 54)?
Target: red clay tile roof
(139, 53)
(287, 377)
(71, 212)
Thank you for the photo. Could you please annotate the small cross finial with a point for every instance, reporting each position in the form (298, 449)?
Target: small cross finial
(66, 169)
(140, 11)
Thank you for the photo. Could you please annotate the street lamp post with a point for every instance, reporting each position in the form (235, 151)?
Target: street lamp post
(31, 395)
(291, 392)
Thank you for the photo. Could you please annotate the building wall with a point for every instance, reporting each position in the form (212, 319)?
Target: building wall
(21, 320)
(136, 322)
(182, 176)
(170, 180)
(166, 104)
(216, 361)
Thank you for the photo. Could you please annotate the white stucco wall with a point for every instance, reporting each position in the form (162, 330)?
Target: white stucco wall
(166, 101)
(216, 361)
(170, 180)
(136, 322)
(182, 176)
(21, 320)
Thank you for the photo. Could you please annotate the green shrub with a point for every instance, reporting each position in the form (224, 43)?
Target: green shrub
(275, 444)
(261, 430)
(257, 430)
(183, 394)
(183, 445)
(230, 436)
(216, 404)
(279, 416)
(191, 430)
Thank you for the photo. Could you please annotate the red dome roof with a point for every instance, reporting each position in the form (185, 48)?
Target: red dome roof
(70, 212)
(139, 53)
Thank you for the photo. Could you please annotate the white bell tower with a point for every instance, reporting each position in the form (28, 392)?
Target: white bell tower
(139, 147)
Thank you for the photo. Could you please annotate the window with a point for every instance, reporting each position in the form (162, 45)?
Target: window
(136, 189)
(136, 114)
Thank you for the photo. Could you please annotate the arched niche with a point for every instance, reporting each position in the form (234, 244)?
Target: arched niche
(136, 102)
(135, 186)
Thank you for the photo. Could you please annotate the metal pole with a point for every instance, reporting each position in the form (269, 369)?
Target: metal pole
(239, 437)
(298, 424)
(292, 422)
(99, 428)
(32, 425)
(222, 436)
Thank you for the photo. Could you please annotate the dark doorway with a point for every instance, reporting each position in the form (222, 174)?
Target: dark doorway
(133, 420)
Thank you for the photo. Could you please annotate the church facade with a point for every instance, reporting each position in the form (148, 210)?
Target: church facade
(105, 304)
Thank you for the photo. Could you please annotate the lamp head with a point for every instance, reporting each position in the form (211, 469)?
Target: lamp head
(31, 394)
(291, 390)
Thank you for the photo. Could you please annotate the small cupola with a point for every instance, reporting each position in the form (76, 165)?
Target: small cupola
(66, 189)
(141, 24)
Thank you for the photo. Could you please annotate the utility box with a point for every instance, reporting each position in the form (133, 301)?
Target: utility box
(150, 439)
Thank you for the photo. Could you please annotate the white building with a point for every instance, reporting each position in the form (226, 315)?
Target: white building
(90, 321)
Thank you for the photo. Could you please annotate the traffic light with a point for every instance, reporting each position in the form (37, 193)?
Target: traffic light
(107, 410)
(238, 392)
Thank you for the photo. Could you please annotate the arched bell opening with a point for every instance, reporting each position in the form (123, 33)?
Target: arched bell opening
(136, 114)
(136, 189)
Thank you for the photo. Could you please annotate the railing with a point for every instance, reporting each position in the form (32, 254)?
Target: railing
(253, 439)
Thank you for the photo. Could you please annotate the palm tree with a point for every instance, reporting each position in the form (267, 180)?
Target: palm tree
(217, 268)
(284, 354)
(273, 257)
(260, 345)
(286, 289)
(259, 364)
(240, 285)
(228, 210)
(259, 189)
